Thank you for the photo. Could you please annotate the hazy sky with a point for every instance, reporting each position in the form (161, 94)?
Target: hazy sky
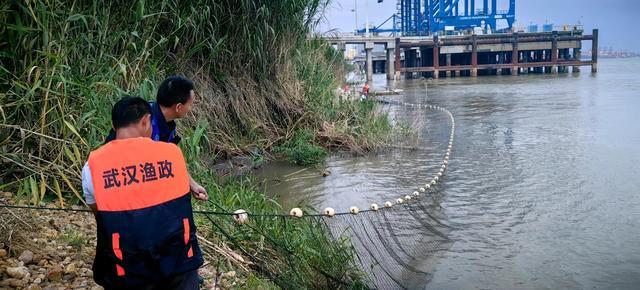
(614, 18)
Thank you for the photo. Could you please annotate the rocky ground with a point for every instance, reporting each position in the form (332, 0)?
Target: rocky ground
(55, 249)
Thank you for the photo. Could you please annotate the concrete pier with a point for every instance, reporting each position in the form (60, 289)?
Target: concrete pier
(436, 58)
(391, 54)
(594, 52)
(368, 48)
(448, 60)
(397, 58)
(515, 55)
(341, 47)
(554, 52)
(473, 55)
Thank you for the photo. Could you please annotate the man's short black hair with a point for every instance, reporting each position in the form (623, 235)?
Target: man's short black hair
(174, 90)
(129, 110)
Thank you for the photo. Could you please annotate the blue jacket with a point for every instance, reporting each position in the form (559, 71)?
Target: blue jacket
(161, 130)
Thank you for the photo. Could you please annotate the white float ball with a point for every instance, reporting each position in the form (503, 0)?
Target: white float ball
(329, 212)
(428, 185)
(374, 207)
(240, 216)
(407, 197)
(388, 204)
(354, 210)
(422, 189)
(296, 212)
(399, 201)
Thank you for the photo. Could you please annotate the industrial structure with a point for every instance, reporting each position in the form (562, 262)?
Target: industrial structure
(443, 38)
(426, 17)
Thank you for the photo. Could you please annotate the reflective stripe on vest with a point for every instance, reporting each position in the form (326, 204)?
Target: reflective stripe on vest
(115, 245)
(137, 173)
(187, 234)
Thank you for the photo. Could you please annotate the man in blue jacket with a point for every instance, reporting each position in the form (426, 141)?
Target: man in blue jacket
(174, 100)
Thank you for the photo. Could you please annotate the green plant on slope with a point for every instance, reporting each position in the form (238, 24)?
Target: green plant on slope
(301, 149)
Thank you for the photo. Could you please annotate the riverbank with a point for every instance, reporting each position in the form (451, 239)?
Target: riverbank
(266, 89)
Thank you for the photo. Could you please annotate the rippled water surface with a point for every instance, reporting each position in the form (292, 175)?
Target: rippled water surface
(543, 185)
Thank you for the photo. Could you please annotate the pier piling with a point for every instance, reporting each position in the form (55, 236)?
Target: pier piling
(594, 52)
(368, 48)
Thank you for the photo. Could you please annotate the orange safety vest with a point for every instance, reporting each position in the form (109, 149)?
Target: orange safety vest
(145, 222)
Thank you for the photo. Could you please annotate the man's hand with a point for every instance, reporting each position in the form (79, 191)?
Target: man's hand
(198, 191)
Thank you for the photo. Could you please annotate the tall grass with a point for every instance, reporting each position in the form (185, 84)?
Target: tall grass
(260, 75)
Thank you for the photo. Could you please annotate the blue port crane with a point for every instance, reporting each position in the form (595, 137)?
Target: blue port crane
(424, 17)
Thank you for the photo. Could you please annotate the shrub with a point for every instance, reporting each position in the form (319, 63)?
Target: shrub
(301, 149)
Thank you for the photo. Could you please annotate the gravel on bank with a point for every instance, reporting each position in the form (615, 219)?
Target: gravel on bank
(55, 249)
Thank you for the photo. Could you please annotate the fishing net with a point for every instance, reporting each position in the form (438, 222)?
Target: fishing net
(395, 244)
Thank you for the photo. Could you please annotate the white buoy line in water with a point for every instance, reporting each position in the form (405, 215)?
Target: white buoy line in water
(241, 216)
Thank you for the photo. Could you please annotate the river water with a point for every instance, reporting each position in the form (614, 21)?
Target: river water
(543, 185)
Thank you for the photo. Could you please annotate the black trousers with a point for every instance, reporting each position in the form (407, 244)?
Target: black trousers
(186, 281)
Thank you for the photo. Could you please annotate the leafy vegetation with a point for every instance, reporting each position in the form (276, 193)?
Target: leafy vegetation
(301, 149)
(74, 238)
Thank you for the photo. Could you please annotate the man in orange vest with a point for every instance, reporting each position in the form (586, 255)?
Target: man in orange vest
(365, 90)
(139, 190)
